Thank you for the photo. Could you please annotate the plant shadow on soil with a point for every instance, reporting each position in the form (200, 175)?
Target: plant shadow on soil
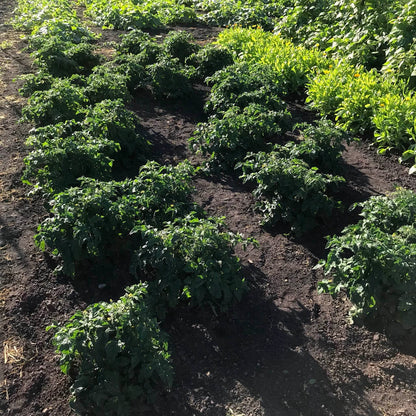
(258, 348)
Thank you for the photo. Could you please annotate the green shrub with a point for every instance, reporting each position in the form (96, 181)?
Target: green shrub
(241, 84)
(60, 161)
(190, 259)
(228, 138)
(39, 81)
(121, 14)
(180, 45)
(111, 120)
(62, 59)
(107, 83)
(118, 353)
(168, 80)
(320, 146)
(94, 220)
(132, 42)
(290, 191)
(394, 121)
(63, 101)
(248, 13)
(65, 28)
(209, 60)
(29, 15)
(374, 260)
(290, 64)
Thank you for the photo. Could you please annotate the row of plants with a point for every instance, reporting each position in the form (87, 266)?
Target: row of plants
(373, 260)
(361, 101)
(114, 213)
(85, 142)
(370, 33)
(294, 181)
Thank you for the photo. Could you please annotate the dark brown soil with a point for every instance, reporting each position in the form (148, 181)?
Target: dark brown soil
(284, 350)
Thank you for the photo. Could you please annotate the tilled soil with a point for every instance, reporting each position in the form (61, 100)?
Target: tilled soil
(284, 350)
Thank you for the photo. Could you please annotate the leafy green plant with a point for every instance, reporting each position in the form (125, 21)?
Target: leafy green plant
(319, 145)
(327, 89)
(60, 161)
(63, 101)
(401, 50)
(241, 84)
(168, 79)
(374, 260)
(190, 259)
(228, 138)
(66, 29)
(290, 191)
(63, 58)
(132, 41)
(394, 123)
(94, 221)
(209, 60)
(121, 14)
(180, 45)
(31, 14)
(111, 120)
(116, 353)
(38, 81)
(107, 83)
(130, 67)
(290, 64)
(248, 13)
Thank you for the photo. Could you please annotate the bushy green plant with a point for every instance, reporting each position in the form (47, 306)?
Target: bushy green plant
(360, 92)
(121, 14)
(190, 259)
(248, 13)
(227, 139)
(180, 45)
(38, 81)
(132, 67)
(117, 354)
(111, 120)
(374, 260)
(132, 41)
(326, 89)
(39, 135)
(60, 161)
(107, 83)
(63, 101)
(32, 14)
(394, 121)
(168, 80)
(64, 58)
(174, 12)
(319, 145)
(290, 191)
(290, 64)
(94, 220)
(401, 50)
(241, 84)
(209, 60)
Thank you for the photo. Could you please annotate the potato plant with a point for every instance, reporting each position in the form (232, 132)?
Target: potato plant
(319, 145)
(374, 261)
(190, 260)
(227, 138)
(62, 101)
(116, 354)
(242, 84)
(94, 221)
(59, 162)
(289, 190)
